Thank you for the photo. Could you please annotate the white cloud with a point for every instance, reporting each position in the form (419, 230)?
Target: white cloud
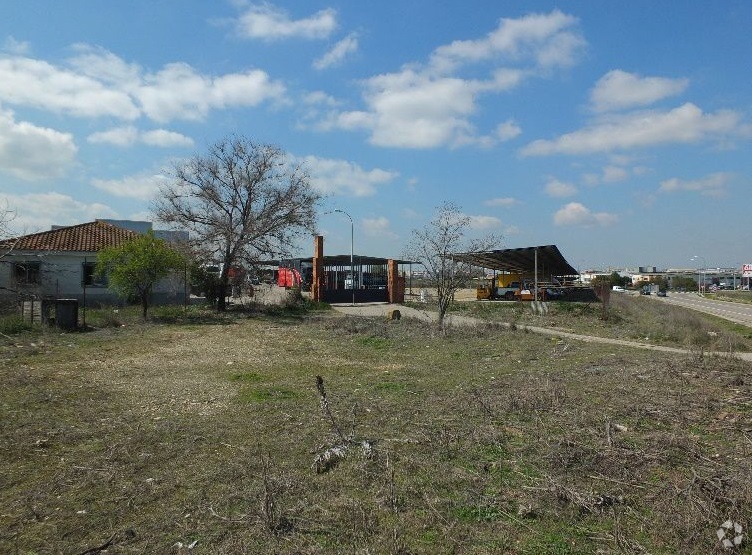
(339, 177)
(502, 201)
(484, 222)
(619, 170)
(685, 124)
(179, 92)
(508, 130)
(317, 98)
(431, 105)
(100, 84)
(142, 187)
(268, 22)
(618, 89)
(560, 189)
(104, 66)
(164, 138)
(35, 83)
(31, 152)
(337, 54)
(118, 136)
(129, 135)
(576, 214)
(378, 227)
(16, 47)
(39, 211)
(591, 179)
(416, 111)
(710, 185)
(548, 39)
(612, 174)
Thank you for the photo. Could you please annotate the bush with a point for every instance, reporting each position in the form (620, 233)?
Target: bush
(13, 324)
(105, 318)
(293, 298)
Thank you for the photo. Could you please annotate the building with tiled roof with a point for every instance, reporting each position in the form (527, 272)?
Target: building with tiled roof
(60, 263)
(89, 237)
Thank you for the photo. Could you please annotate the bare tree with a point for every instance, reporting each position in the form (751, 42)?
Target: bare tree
(6, 216)
(239, 202)
(433, 247)
(7, 244)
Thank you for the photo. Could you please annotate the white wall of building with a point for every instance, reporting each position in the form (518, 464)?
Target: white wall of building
(61, 276)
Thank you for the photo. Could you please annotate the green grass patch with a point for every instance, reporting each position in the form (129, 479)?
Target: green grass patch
(482, 440)
(479, 514)
(393, 387)
(268, 394)
(375, 342)
(246, 377)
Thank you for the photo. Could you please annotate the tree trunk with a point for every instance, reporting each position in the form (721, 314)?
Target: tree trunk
(144, 305)
(224, 287)
(443, 306)
(222, 297)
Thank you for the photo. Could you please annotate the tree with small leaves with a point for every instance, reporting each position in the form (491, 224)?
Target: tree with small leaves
(134, 268)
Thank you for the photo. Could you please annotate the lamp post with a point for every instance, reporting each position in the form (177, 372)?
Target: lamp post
(700, 288)
(352, 243)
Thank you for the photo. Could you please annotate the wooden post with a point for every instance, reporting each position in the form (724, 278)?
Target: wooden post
(318, 267)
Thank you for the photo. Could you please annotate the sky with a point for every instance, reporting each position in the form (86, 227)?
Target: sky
(618, 131)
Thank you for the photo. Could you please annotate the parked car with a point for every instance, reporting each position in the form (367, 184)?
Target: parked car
(618, 289)
(662, 294)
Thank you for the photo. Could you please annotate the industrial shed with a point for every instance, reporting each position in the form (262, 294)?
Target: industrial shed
(545, 261)
(543, 269)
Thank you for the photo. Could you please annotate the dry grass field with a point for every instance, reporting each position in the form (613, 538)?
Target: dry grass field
(627, 317)
(202, 433)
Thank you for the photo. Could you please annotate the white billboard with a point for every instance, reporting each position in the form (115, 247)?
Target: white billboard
(747, 270)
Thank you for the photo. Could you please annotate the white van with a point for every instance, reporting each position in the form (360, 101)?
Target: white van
(618, 289)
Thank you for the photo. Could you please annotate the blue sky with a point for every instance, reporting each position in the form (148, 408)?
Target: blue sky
(619, 131)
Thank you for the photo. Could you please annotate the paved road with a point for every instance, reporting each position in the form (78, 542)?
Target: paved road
(381, 309)
(741, 313)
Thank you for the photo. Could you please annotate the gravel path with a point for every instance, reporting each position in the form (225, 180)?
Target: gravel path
(381, 310)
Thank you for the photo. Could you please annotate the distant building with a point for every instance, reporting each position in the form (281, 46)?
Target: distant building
(144, 227)
(60, 263)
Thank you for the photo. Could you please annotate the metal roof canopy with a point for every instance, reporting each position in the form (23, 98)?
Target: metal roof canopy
(522, 260)
(339, 260)
(344, 260)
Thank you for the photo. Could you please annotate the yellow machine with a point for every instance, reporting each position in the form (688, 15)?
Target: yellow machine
(504, 286)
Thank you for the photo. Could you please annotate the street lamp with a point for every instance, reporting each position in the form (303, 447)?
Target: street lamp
(696, 257)
(352, 243)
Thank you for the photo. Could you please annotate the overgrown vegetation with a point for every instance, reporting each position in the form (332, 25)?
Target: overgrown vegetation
(12, 324)
(206, 436)
(732, 296)
(626, 317)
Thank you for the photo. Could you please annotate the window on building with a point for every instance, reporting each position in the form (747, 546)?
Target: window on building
(89, 276)
(27, 273)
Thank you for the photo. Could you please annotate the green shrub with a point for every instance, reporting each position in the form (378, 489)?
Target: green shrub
(105, 317)
(13, 324)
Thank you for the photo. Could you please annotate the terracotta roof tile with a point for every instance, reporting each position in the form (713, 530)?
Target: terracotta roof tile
(88, 237)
